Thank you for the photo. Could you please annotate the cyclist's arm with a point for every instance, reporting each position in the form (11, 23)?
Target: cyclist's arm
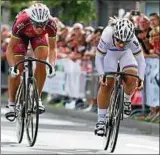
(52, 50)
(141, 63)
(138, 53)
(99, 62)
(9, 52)
(103, 46)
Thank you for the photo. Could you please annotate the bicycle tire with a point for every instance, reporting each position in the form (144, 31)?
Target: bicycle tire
(20, 113)
(32, 101)
(119, 109)
(108, 122)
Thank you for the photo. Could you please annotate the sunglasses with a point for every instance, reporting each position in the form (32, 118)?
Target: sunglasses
(41, 25)
(121, 42)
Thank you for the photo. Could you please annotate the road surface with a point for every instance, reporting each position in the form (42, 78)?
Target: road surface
(59, 135)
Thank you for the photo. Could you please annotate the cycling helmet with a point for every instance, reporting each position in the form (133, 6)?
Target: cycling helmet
(39, 13)
(124, 30)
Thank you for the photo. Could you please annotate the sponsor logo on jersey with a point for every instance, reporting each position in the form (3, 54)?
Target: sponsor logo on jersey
(20, 26)
(136, 43)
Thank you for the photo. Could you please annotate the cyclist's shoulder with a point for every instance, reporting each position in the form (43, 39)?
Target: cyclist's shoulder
(52, 22)
(107, 34)
(21, 21)
(134, 40)
(51, 26)
(108, 29)
(22, 16)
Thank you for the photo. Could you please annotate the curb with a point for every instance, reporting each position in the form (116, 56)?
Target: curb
(144, 127)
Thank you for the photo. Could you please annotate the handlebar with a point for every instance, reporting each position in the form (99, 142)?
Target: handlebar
(30, 59)
(121, 74)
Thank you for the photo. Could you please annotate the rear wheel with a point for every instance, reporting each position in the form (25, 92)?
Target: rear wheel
(32, 112)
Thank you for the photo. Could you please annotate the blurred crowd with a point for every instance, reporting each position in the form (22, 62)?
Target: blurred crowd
(79, 42)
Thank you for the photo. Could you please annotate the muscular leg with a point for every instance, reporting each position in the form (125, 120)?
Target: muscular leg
(103, 98)
(40, 71)
(13, 83)
(130, 83)
(104, 93)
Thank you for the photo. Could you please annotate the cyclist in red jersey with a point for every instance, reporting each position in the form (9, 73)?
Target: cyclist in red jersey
(37, 26)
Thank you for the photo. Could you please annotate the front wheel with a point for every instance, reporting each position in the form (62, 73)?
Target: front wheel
(20, 113)
(32, 112)
(117, 112)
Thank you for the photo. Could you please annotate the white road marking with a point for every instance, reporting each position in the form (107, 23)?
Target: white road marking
(143, 146)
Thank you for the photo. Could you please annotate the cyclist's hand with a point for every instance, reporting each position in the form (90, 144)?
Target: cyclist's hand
(141, 85)
(101, 80)
(12, 72)
(52, 73)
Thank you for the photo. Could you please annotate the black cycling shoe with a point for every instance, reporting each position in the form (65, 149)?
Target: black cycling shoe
(127, 108)
(10, 114)
(100, 129)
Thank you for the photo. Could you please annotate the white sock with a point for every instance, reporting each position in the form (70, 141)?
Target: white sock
(102, 114)
(11, 103)
(127, 98)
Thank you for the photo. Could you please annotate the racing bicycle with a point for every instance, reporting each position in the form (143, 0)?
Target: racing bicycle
(115, 110)
(27, 111)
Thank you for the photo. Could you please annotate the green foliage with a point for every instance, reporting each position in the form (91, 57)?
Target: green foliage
(75, 10)
(70, 10)
(16, 6)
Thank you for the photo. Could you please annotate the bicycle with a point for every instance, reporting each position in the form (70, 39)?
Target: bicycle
(115, 110)
(27, 102)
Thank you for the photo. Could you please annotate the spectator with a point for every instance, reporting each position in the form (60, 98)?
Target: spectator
(3, 48)
(155, 41)
(143, 33)
(155, 33)
(5, 32)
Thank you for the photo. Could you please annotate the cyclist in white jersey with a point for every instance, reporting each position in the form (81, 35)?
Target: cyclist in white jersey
(118, 43)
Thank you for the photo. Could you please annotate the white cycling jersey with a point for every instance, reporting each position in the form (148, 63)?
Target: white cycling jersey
(108, 55)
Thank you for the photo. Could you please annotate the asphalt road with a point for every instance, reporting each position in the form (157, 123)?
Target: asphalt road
(67, 135)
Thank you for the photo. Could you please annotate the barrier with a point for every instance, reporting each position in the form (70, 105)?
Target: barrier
(70, 81)
(152, 81)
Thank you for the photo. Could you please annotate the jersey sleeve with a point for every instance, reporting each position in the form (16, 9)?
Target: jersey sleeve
(52, 28)
(135, 46)
(104, 40)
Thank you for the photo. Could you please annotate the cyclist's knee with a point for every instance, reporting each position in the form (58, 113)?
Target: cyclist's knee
(110, 83)
(109, 86)
(131, 83)
(41, 52)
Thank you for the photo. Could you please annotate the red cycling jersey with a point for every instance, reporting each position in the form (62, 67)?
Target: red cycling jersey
(23, 29)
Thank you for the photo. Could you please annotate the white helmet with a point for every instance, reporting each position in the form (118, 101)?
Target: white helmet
(39, 13)
(124, 30)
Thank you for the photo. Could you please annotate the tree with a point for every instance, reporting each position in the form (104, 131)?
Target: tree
(75, 10)
(68, 10)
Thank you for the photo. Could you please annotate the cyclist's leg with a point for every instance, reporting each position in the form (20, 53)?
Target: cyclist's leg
(129, 65)
(13, 82)
(40, 47)
(104, 92)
